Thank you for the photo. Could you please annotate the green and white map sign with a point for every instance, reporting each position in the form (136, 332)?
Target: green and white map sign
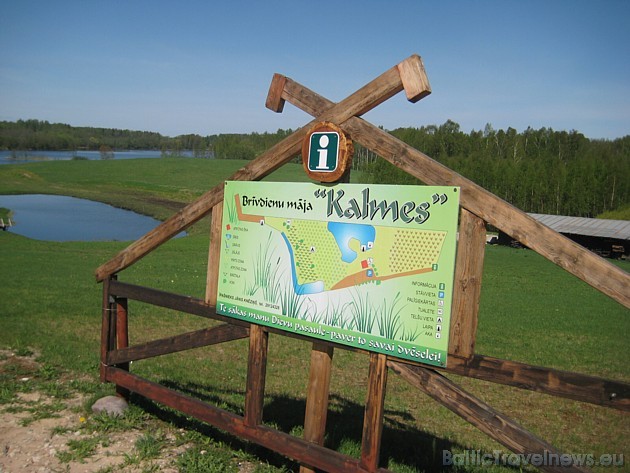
(369, 266)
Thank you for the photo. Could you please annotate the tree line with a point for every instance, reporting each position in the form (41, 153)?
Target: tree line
(541, 171)
(42, 135)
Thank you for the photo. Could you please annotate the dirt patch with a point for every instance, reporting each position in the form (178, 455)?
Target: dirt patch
(48, 427)
(47, 432)
(35, 447)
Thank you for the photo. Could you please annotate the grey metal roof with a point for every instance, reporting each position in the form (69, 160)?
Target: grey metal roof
(599, 227)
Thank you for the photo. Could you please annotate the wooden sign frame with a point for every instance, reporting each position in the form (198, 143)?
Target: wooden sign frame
(478, 207)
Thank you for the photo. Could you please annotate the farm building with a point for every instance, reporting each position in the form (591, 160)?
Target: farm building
(608, 238)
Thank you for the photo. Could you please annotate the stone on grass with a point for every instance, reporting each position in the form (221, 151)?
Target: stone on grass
(113, 406)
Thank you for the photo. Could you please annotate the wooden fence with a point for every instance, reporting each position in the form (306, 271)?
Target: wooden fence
(478, 207)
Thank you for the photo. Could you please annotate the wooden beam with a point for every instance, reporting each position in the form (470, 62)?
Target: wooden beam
(369, 96)
(494, 424)
(467, 288)
(256, 372)
(576, 386)
(106, 314)
(122, 337)
(157, 297)
(122, 323)
(214, 254)
(414, 78)
(185, 341)
(274, 101)
(374, 411)
(283, 443)
(317, 396)
(586, 265)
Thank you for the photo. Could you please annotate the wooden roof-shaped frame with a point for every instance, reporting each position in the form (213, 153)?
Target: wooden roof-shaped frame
(478, 207)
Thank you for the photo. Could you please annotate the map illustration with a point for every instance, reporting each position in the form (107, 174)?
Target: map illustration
(342, 263)
(335, 255)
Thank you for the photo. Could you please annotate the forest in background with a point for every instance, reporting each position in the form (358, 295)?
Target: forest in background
(541, 171)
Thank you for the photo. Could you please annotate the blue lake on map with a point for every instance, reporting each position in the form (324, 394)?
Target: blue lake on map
(344, 232)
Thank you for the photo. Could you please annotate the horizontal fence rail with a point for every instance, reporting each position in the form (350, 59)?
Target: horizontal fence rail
(566, 384)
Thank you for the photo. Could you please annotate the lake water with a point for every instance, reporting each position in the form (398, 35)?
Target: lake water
(16, 157)
(62, 218)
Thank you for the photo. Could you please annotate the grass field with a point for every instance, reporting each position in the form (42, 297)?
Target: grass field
(531, 311)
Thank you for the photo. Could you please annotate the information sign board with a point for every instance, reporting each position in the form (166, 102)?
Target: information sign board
(323, 151)
(326, 152)
(368, 266)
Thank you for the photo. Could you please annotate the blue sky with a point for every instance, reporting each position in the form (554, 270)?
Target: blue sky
(205, 67)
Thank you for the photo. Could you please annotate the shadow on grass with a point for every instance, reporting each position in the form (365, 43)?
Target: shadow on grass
(403, 445)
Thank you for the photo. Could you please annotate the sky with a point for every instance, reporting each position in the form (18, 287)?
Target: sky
(205, 67)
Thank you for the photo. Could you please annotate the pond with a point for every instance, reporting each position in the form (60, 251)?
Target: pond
(62, 218)
(20, 157)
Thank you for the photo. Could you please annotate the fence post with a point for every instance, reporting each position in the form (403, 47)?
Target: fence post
(256, 372)
(105, 324)
(467, 284)
(122, 338)
(317, 396)
(214, 253)
(374, 408)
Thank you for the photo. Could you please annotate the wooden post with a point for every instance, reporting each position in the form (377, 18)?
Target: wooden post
(111, 327)
(105, 323)
(256, 371)
(214, 253)
(467, 287)
(317, 396)
(122, 324)
(122, 337)
(374, 409)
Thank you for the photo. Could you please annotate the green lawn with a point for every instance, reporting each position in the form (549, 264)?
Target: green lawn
(531, 311)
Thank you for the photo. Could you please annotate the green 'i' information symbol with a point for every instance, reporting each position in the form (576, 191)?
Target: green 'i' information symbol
(323, 151)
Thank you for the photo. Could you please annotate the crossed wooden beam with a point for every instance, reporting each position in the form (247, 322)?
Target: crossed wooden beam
(409, 76)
